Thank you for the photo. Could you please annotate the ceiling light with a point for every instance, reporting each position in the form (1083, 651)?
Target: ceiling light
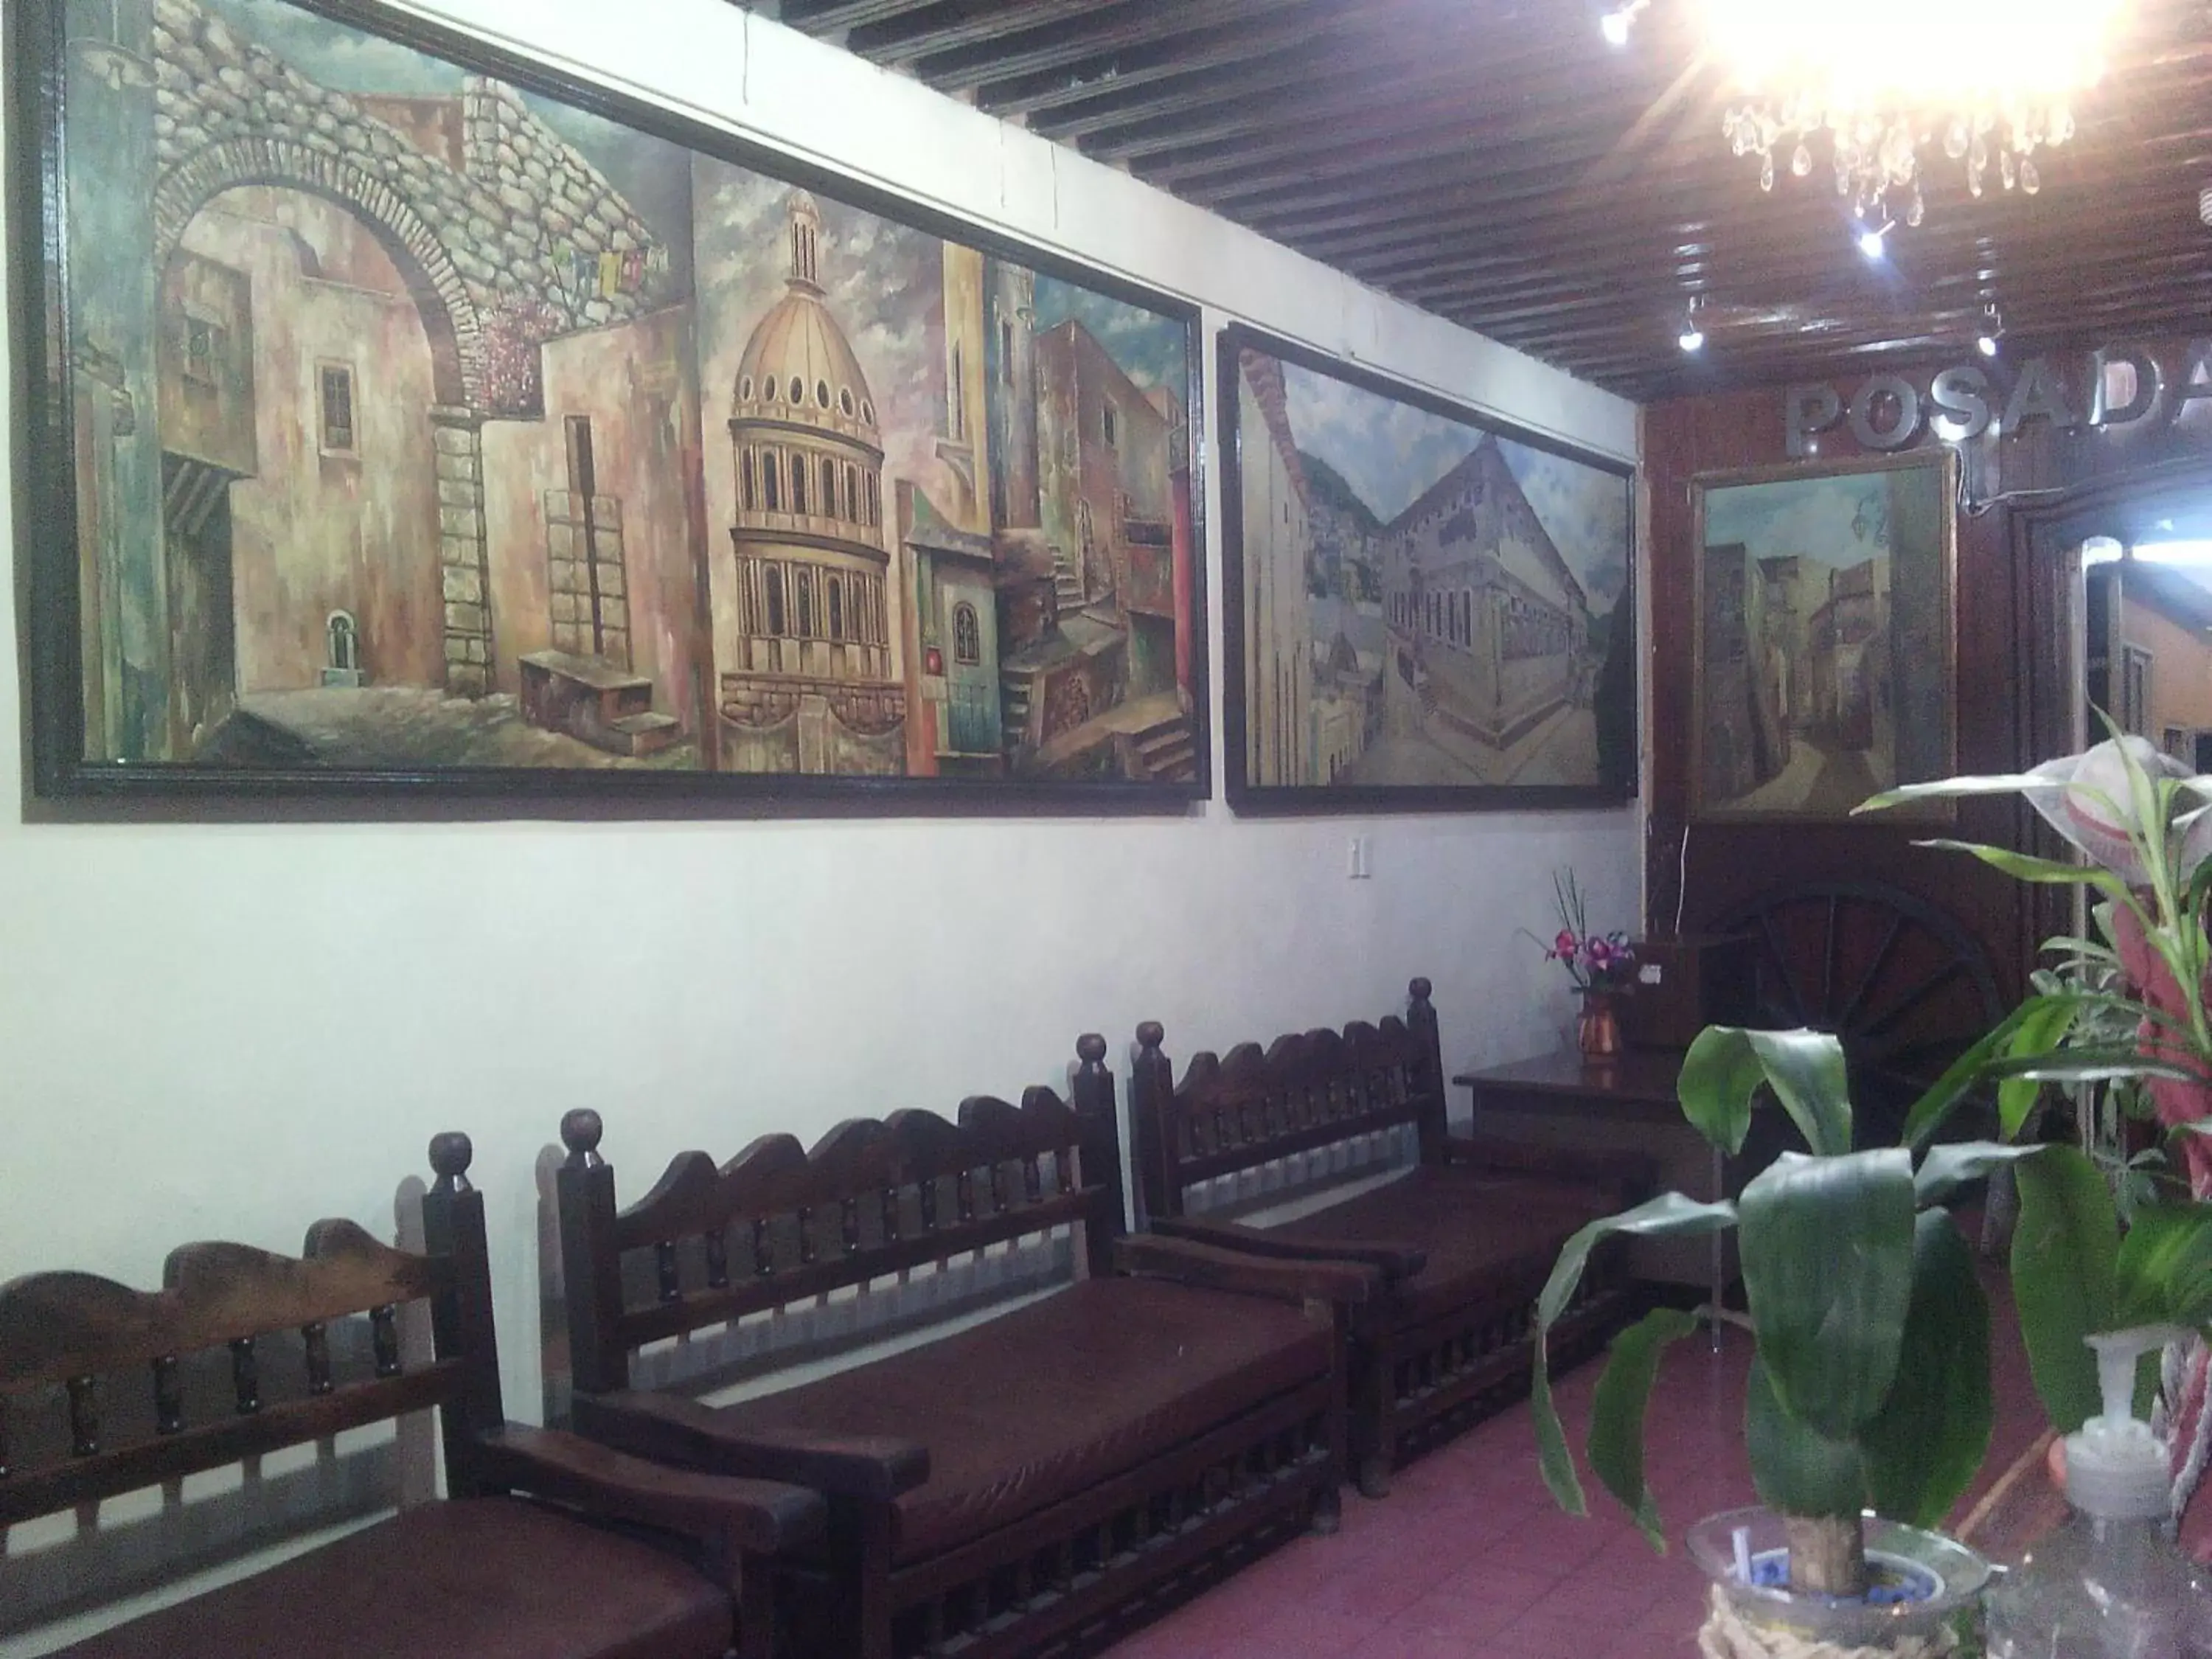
(1616, 25)
(1991, 82)
(1693, 338)
(1875, 243)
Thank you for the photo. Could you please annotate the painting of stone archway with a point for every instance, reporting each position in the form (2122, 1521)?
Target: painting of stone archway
(407, 420)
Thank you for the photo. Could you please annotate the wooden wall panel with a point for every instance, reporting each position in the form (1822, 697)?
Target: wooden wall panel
(2048, 487)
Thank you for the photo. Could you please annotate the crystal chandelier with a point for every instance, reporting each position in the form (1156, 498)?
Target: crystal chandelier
(1883, 84)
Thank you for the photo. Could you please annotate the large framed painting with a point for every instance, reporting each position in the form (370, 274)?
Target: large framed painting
(1825, 651)
(1424, 609)
(404, 418)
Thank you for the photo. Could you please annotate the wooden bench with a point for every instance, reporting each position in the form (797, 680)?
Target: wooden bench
(1464, 1241)
(105, 1390)
(1036, 1483)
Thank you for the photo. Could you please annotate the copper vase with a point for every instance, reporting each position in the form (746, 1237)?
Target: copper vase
(1597, 1030)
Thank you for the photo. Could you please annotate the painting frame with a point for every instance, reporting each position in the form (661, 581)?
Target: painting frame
(1942, 467)
(61, 772)
(1249, 797)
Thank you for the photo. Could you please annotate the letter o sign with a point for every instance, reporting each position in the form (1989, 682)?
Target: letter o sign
(1886, 395)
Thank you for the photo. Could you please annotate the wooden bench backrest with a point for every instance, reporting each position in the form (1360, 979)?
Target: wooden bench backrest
(1306, 1093)
(105, 1389)
(780, 1225)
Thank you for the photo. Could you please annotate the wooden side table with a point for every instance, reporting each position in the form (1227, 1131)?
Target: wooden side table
(1562, 1099)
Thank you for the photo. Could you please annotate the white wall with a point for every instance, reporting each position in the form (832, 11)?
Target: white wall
(229, 1030)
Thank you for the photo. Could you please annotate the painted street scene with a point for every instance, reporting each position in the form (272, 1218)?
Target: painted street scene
(1814, 668)
(425, 421)
(1425, 603)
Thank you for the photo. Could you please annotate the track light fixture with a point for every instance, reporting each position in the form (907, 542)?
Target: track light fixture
(1617, 24)
(1692, 336)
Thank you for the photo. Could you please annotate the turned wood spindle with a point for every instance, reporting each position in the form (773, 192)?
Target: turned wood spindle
(1032, 1179)
(806, 1237)
(890, 1215)
(963, 1193)
(763, 1248)
(664, 1268)
(245, 1375)
(84, 1417)
(928, 1191)
(168, 1396)
(848, 1225)
(998, 1200)
(384, 1338)
(718, 1259)
(317, 1336)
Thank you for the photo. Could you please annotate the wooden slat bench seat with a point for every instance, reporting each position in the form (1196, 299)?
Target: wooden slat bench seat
(1464, 1239)
(1035, 1483)
(550, 1546)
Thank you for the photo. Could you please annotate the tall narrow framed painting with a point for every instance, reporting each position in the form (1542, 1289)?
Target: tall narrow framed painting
(1825, 649)
(1424, 609)
(407, 418)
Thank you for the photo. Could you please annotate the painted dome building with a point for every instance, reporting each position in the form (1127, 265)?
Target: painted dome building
(813, 686)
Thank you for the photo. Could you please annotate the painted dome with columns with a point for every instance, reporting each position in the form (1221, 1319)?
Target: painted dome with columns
(799, 367)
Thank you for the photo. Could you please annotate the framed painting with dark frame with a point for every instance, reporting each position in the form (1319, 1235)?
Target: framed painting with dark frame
(404, 418)
(1426, 609)
(1825, 649)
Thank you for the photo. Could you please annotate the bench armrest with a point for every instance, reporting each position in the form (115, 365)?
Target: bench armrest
(1632, 1174)
(668, 1428)
(759, 1517)
(1396, 1262)
(1216, 1268)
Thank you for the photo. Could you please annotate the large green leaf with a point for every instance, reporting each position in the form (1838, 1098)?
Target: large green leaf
(2009, 783)
(1828, 1267)
(1796, 1468)
(2163, 1274)
(1617, 1412)
(1931, 1434)
(2065, 1267)
(1725, 1066)
(1934, 1108)
(1952, 1166)
(1670, 1213)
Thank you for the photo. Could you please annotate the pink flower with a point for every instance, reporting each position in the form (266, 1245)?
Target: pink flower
(1564, 946)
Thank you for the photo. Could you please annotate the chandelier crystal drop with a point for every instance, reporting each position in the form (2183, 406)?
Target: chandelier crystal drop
(1883, 84)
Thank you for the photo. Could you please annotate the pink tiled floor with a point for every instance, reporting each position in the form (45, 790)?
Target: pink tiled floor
(1470, 1558)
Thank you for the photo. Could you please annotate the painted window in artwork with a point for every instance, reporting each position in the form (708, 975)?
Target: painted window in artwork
(821, 393)
(967, 634)
(1111, 426)
(799, 483)
(771, 480)
(853, 493)
(845, 401)
(745, 389)
(836, 608)
(797, 390)
(334, 397)
(203, 348)
(804, 580)
(829, 486)
(748, 461)
(774, 585)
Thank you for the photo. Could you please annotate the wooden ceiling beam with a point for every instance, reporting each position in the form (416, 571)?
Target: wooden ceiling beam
(1172, 71)
(946, 25)
(823, 17)
(1105, 27)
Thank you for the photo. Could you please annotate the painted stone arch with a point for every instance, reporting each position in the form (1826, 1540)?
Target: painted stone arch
(457, 352)
(448, 314)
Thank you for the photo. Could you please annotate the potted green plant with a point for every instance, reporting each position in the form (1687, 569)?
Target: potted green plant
(1869, 1385)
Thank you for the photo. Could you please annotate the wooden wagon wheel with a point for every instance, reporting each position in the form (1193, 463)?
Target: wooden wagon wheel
(1904, 986)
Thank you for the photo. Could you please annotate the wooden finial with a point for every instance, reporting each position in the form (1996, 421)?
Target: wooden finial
(580, 1133)
(450, 1154)
(1150, 1036)
(1090, 1049)
(1419, 989)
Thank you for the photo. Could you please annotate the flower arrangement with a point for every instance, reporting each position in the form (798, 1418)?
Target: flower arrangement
(1595, 962)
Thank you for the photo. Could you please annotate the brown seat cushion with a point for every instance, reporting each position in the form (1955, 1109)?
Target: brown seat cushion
(1489, 1238)
(1039, 1404)
(490, 1578)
